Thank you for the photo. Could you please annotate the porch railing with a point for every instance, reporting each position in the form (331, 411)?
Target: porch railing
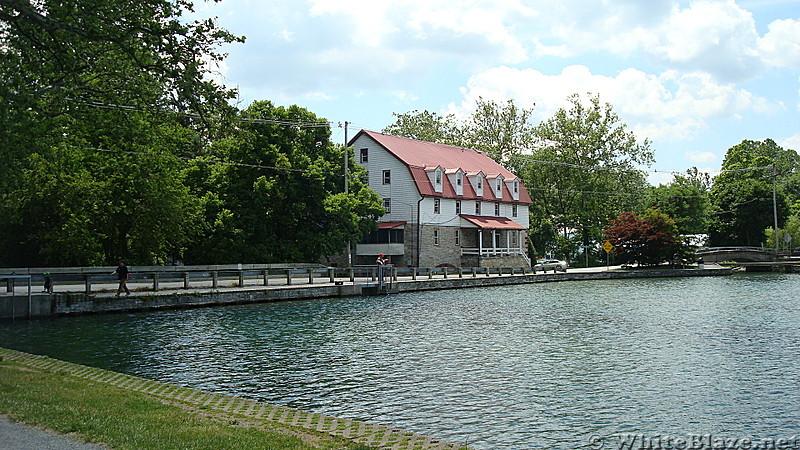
(492, 251)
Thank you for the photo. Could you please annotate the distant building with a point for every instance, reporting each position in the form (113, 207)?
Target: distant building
(445, 205)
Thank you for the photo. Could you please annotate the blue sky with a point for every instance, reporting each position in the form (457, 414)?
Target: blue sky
(694, 77)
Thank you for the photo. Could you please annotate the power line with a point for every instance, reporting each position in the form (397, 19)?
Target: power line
(214, 161)
(321, 123)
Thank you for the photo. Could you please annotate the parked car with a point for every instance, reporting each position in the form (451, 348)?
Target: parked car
(550, 264)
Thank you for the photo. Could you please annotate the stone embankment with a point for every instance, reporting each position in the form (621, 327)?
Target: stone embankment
(18, 302)
(227, 407)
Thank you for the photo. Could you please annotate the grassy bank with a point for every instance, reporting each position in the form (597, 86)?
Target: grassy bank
(120, 418)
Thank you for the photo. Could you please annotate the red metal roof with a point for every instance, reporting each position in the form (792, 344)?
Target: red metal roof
(419, 155)
(493, 223)
(388, 225)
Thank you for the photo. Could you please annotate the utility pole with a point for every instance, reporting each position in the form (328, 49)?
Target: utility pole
(347, 187)
(775, 206)
(346, 160)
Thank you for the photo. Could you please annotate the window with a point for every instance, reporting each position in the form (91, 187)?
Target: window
(438, 177)
(480, 182)
(516, 186)
(387, 177)
(458, 237)
(387, 205)
(513, 210)
(514, 238)
(478, 208)
(364, 155)
(458, 179)
(436, 236)
(497, 209)
(390, 236)
(458, 207)
(437, 206)
(499, 185)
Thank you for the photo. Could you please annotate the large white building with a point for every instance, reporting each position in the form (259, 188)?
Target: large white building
(445, 205)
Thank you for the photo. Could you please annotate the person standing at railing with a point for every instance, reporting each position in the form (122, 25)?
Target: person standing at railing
(122, 273)
(48, 283)
(381, 262)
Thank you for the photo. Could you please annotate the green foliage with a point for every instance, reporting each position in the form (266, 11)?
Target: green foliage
(98, 102)
(649, 239)
(685, 199)
(283, 200)
(584, 173)
(113, 135)
(788, 236)
(426, 126)
(500, 130)
(742, 195)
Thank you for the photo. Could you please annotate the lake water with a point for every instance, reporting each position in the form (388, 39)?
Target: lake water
(540, 365)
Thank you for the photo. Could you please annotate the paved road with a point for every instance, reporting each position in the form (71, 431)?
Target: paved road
(18, 436)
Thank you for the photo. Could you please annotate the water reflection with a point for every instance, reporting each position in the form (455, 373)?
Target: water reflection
(520, 366)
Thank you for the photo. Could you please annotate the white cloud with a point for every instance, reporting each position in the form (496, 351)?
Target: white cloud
(709, 35)
(792, 142)
(659, 178)
(701, 157)
(670, 106)
(780, 46)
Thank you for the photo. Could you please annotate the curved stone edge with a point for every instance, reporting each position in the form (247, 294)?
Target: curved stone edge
(356, 431)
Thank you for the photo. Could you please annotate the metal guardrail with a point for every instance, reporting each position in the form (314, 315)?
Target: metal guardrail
(10, 281)
(91, 280)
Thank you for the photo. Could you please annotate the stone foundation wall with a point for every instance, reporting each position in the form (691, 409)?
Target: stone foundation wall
(446, 252)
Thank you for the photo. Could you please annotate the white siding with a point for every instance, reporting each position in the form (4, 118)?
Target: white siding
(402, 190)
(404, 194)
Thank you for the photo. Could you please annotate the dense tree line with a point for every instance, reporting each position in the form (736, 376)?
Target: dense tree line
(584, 171)
(117, 144)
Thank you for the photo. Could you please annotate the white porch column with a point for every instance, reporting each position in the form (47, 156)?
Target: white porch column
(494, 242)
(480, 242)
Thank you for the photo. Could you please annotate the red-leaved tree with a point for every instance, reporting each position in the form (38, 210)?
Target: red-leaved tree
(649, 239)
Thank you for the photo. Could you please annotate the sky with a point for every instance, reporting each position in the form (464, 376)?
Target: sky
(693, 77)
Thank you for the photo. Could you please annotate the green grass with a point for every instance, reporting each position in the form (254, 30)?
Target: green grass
(101, 413)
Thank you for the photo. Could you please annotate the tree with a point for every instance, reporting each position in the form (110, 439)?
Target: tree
(584, 173)
(647, 240)
(742, 195)
(98, 104)
(426, 126)
(501, 130)
(282, 197)
(685, 199)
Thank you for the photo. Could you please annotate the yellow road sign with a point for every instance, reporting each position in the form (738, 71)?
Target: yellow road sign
(608, 246)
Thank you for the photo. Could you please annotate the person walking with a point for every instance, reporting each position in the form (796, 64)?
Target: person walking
(48, 283)
(122, 273)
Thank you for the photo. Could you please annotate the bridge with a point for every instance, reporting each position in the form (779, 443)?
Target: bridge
(750, 258)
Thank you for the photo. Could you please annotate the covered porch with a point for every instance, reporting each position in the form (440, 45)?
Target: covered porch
(488, 236)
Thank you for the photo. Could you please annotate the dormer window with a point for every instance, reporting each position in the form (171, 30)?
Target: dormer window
(438, 177)
(516, 186)
(480, 182)
(459, 178)
(499, 185)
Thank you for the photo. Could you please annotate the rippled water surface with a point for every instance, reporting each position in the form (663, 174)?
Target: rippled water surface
(544, 365)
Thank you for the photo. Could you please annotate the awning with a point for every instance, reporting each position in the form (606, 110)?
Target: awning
(493, 223)
(389, 225)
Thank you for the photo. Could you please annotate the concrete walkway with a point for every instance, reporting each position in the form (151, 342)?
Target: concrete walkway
(19, 436)
(361, 432)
